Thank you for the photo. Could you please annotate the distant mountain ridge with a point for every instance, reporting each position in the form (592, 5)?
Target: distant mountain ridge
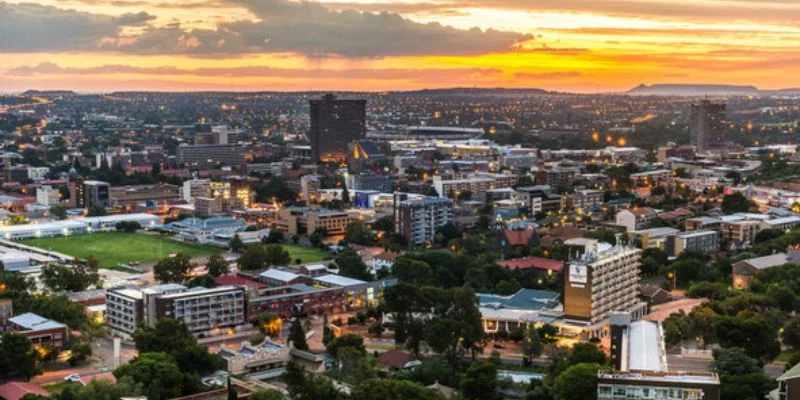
(693, 90)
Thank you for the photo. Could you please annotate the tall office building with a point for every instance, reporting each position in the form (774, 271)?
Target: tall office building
(601, 279)
(334, 125)
(706, 125)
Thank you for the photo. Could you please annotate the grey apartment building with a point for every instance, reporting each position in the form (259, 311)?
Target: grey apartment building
(418, 218)
(203, 310)
(211, 155)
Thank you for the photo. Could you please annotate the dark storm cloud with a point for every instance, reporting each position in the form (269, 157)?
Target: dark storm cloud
(282, 26)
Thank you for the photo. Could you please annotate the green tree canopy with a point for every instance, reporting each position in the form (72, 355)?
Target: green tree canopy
(578, 382)
(480, 381)
(173, 269)
(217, 266)
(390, 389)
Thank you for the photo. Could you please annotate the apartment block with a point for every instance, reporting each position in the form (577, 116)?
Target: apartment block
(203, 310)
(705, 241)
(418, 219)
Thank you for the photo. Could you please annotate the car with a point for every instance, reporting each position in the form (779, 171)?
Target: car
(499, 346)
(74, 378)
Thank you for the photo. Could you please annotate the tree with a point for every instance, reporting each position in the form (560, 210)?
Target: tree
(252, 258)
(376, 329)
(158, 373)
(352, 266)
(127, 226)
(753, 386)
(735, 203)
(767, 234)
(791, 333)
(411, 271)
(586, 353)
(270, 324)
(447, 232)
(173, 269)
(443, 335)
(480, 381)
(734, 361)
(217, 265)
(297, 335)
(347, 340)
(384, 224)
(99, 389)
(172, 337)
(236, 245)
(206, 281)
(316, 238)
(531, 345)
(578, 382)
(548, 334)
(59, 212)
(17, 357)
(275, 236)
(74, 278)
(754, 334)
(359, 233)
(274, 254)
(97, 211)
(391, 389)
(304, 387)
(79, 353)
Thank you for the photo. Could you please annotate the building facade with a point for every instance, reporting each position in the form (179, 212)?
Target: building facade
(418, 219)
(706, 125)
(599, 280)
(204, 311)
(334, 125)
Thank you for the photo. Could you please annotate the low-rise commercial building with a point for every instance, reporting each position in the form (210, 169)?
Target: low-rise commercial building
(41, 331)
(639, 360)
(744, 271)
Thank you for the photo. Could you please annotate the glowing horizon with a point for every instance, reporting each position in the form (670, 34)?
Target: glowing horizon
(379, 45)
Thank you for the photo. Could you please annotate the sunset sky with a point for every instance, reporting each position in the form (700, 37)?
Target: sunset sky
(567, 45)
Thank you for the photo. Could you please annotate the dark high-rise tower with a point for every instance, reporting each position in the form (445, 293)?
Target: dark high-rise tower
(706, 128)
(334, 125)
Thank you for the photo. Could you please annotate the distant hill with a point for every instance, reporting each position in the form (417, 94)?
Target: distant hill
(49, 93)
(693, 90)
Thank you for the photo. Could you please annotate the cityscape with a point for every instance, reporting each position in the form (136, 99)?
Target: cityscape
(390, 200)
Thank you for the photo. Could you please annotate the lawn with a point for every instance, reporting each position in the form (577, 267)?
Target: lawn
(306, 254)
(112, 248)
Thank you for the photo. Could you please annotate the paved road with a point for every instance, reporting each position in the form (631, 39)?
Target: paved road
(678, 362)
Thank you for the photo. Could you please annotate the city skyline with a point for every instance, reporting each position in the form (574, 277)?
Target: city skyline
(376, 45)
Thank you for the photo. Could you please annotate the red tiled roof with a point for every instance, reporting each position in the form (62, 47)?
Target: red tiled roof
(677, 213)
(395, 358)
(519, 237)
(533, 262)
(231, 280)
(16, 390)
(639, 211)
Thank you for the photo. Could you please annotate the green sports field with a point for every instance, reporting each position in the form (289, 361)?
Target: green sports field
(306, 254)
(112, 248)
